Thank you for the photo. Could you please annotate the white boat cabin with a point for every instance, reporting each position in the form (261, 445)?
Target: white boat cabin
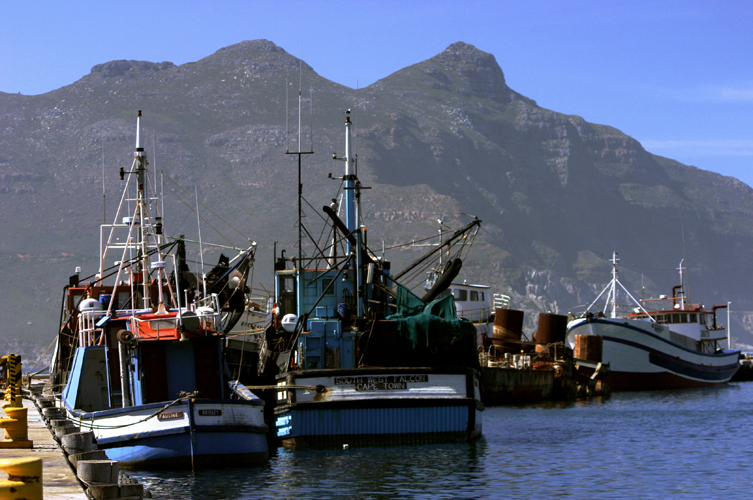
(693, 322)
(475, 303)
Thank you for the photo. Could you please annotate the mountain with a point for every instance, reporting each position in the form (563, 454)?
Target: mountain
(436, 140)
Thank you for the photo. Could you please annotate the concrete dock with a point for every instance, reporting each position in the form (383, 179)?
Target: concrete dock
(59, 480)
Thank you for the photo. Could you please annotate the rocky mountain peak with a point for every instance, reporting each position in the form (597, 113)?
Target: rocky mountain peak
(121, 68)
(262, 55)
(473, 69)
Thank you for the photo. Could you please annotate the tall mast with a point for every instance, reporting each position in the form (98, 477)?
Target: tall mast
(352, 215)
(299, 153)
(140, 157)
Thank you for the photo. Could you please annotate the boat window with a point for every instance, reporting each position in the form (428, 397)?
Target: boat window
(460, 295)
(673, 318)
(325, 284)
(482, 295)
(693, 318)
(162, 324)
(77, 300)
(474, 295)
(684, 318)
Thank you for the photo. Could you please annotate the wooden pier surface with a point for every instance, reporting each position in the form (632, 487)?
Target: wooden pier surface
(59, 480)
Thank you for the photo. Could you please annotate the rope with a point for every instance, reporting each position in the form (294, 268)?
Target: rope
(173, 403)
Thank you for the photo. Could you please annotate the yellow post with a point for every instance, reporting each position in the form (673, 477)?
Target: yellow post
(16, 428)
(24, 479)
(13, 368)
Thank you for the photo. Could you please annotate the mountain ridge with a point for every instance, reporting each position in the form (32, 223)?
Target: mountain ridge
(437, 139)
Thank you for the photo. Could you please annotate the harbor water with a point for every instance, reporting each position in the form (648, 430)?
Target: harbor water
(670, 444)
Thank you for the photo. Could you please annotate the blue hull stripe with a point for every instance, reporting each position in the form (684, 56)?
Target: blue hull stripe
(374, 421)
(683, 367)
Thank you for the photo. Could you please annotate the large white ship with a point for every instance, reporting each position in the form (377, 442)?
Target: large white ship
(664, 343)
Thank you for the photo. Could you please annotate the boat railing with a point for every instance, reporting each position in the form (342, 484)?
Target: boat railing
(208, 311)
(476, 315)
(501, 301)
(156, 327)
(88, 332)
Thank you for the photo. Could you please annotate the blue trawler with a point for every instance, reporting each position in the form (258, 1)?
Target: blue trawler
(359, 358)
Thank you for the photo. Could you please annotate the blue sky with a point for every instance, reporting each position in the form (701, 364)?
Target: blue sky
(675, 75)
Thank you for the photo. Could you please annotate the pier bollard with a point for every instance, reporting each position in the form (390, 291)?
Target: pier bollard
(13, 394)
(24, 479)
(100, 491)
(16, 428)
(131, 490)
(78, 442)
(54, 423)
(53, 413)
(46, 402)
(75, 458)
(98, 471)
(66, 429)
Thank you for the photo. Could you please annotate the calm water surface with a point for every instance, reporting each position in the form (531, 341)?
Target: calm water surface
(678, 444)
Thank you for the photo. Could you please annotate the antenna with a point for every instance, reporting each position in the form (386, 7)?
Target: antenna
(299, 153)
(201, 250)
(287, 117)
(686, 290)
(104, 196)
(300, 79)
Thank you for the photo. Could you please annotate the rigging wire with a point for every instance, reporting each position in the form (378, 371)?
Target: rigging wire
(206, 208)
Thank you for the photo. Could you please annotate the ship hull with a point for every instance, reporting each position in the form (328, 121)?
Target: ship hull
(378, 406)
(187, 434)
(639, 359)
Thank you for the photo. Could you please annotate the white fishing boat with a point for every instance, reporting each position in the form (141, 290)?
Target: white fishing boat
(140, 360)
(663, 343)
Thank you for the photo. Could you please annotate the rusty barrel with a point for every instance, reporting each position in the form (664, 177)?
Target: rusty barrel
(508, 326)
(552, 329)
(588, 347)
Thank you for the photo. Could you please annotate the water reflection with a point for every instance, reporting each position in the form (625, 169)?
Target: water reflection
(648, 445)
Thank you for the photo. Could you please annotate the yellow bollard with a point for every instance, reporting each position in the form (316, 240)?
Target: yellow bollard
(24, 479)
(16, 428)
(12, 363)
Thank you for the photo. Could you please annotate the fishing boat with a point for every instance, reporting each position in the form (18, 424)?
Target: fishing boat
(358, 357)
(139, 354)
(662, 343)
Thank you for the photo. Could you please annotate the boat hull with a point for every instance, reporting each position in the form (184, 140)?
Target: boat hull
(378, 406)
(188, 434)
(639, 359)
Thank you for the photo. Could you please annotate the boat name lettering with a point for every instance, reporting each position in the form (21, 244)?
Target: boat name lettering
(169, 415)
(210, 413)
(381, 383)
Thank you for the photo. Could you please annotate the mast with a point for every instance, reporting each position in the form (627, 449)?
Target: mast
(140, 157)
(613, 290)
(682, 286)
(352, 202)
(299, 153)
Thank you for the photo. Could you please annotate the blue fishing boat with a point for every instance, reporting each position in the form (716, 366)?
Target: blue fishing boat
(139, 356)
(359, 358)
